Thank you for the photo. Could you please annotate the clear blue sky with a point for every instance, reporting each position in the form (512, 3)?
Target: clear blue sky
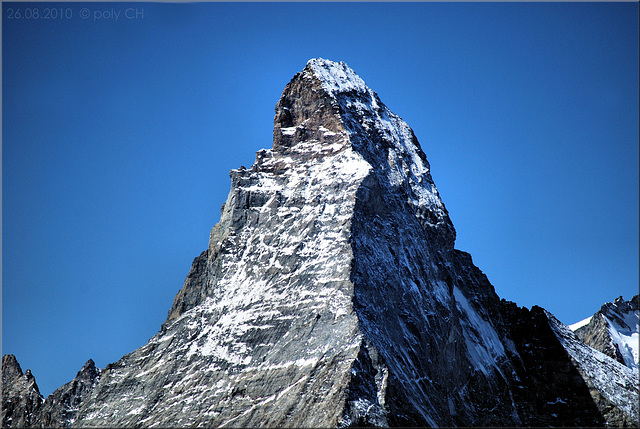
(118, 136)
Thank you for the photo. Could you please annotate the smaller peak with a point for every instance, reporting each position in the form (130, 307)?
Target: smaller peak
(336, 77)
(10, 360)
(88, 370)
(619, 305)
(31, 381)
(10, 366)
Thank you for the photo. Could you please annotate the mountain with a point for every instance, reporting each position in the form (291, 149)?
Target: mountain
(21, 398)
(613, 330)
(331, 295)
(24, 406)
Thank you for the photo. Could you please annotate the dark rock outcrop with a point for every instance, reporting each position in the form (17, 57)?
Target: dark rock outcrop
(612, 385)
(23, 405)
(548, 389)
(21, 399)
(60, 408)
(331, 295)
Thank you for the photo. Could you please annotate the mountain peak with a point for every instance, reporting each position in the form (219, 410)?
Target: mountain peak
(336, 77)
(326, 109)
(613, 330)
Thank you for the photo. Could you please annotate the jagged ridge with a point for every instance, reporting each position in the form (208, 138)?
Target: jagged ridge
(613, 330)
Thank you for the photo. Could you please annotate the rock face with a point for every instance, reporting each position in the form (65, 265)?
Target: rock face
(331, 295)
(613, 386)
(61, 407)
(613, 330)
(23, 406)
(21, 399)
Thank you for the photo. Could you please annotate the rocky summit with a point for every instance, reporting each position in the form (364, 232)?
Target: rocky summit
(331, 295)
(613, 330)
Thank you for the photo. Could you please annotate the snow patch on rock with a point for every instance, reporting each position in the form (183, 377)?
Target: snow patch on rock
(482, 341)
(580, 324)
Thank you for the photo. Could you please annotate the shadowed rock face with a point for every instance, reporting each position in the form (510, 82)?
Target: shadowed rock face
(549, 389)
(612, 385)
(331, 295)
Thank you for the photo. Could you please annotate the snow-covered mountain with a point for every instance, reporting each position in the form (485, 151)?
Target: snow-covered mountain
(613, 330)
(331, 295)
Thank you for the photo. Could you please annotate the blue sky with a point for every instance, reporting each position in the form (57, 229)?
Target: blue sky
(118, 137)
